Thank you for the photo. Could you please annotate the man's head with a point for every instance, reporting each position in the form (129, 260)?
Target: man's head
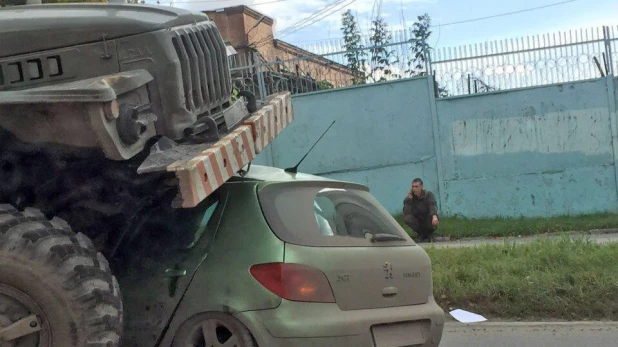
(417, 186)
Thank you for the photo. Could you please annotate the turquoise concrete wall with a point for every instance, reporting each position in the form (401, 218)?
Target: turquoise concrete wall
(382, 138)
(529, 152)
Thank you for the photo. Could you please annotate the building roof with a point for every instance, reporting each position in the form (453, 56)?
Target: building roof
(246, 10)
(303, 53)
(282, 45)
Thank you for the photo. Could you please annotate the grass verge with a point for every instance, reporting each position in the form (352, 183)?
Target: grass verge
(565, 279)
(458, 228)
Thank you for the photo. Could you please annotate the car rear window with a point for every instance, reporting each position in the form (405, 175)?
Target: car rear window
(315, 214)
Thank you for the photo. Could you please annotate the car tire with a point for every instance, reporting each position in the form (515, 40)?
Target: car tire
(220, 329)
(57, 278)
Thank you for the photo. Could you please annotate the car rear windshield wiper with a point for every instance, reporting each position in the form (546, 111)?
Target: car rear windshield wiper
(386, 237)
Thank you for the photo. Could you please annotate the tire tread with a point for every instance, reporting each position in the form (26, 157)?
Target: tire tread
(51, 238)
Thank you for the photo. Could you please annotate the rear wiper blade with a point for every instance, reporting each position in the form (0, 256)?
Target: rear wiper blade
(386, 237)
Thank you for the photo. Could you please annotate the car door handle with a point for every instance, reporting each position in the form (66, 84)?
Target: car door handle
(174, 274)
(389, 291)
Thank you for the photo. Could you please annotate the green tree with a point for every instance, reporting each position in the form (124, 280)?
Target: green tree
(420, 48)
(325, 84)
(421, 51)
(381, 57)
(355, 54)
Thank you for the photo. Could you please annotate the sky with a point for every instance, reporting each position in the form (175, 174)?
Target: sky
(573, 14)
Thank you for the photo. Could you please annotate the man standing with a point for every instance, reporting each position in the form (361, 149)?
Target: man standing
(420, 211)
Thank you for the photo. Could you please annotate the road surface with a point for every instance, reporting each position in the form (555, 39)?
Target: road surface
(489, 334)
(599, 237)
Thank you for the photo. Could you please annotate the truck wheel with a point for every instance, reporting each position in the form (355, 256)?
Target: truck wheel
(55, 288)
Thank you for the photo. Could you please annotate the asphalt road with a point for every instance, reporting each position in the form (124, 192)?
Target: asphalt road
(599, 237)
(577, 334)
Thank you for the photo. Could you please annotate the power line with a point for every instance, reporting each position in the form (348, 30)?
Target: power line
(296, 27)
(483, 18)
(311, 16)
(509, 13)
(318, 19)
(288, 31)
(307, 21)
(291, 27)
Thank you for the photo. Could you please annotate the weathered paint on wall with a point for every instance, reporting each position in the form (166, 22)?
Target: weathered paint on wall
(531, 152)
(528, 152)
(573, 191)
(582, 131)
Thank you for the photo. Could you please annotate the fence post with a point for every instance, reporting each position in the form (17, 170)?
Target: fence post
(258, 69)
(437, 147)
(611, 102)
(608, 50)
(427, 59)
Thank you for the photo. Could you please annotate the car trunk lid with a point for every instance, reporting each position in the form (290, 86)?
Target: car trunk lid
(370, 277)
(341, 230)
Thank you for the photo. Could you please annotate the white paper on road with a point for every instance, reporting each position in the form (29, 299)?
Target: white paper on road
(467, 317)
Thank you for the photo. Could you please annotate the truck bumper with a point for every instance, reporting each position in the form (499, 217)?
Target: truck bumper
(204, 168)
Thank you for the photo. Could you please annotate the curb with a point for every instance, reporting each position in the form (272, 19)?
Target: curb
(583, 324)
(553, 234)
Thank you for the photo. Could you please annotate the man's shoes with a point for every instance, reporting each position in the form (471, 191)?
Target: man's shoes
(422, 239)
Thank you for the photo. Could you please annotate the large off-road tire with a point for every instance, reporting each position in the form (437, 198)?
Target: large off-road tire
(49, 271)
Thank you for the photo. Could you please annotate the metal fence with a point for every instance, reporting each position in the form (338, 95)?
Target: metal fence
(498, 65)
(569, 56)
(299, 75)
(313, 71)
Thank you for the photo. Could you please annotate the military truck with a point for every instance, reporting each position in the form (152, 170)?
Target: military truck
(105, 112)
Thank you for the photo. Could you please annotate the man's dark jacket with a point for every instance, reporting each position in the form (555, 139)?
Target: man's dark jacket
(422, 207)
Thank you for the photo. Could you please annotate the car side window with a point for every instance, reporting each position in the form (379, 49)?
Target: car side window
(204, 222)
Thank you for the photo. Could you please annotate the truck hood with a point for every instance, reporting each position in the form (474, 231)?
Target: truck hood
(32, 28)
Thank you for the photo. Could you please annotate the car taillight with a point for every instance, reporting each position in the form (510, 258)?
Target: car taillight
(294, 282)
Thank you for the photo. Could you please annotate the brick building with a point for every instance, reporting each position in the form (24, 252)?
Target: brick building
(248, 31)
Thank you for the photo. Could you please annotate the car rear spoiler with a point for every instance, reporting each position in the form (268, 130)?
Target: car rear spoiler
(201, 169)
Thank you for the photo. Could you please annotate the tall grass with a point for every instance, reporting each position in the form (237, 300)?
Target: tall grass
(564, 279)
(459, 227)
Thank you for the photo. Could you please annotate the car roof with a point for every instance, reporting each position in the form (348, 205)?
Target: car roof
(260, 173)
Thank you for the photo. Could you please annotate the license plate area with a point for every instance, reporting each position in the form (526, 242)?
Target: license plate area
(401, 334)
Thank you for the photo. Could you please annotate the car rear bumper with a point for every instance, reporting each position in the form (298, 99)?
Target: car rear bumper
(312, 324)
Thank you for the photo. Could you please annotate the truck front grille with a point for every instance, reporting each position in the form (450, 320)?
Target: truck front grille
(204, 66)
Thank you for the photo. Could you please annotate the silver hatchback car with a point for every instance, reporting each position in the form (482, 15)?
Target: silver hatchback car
(288, 259)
